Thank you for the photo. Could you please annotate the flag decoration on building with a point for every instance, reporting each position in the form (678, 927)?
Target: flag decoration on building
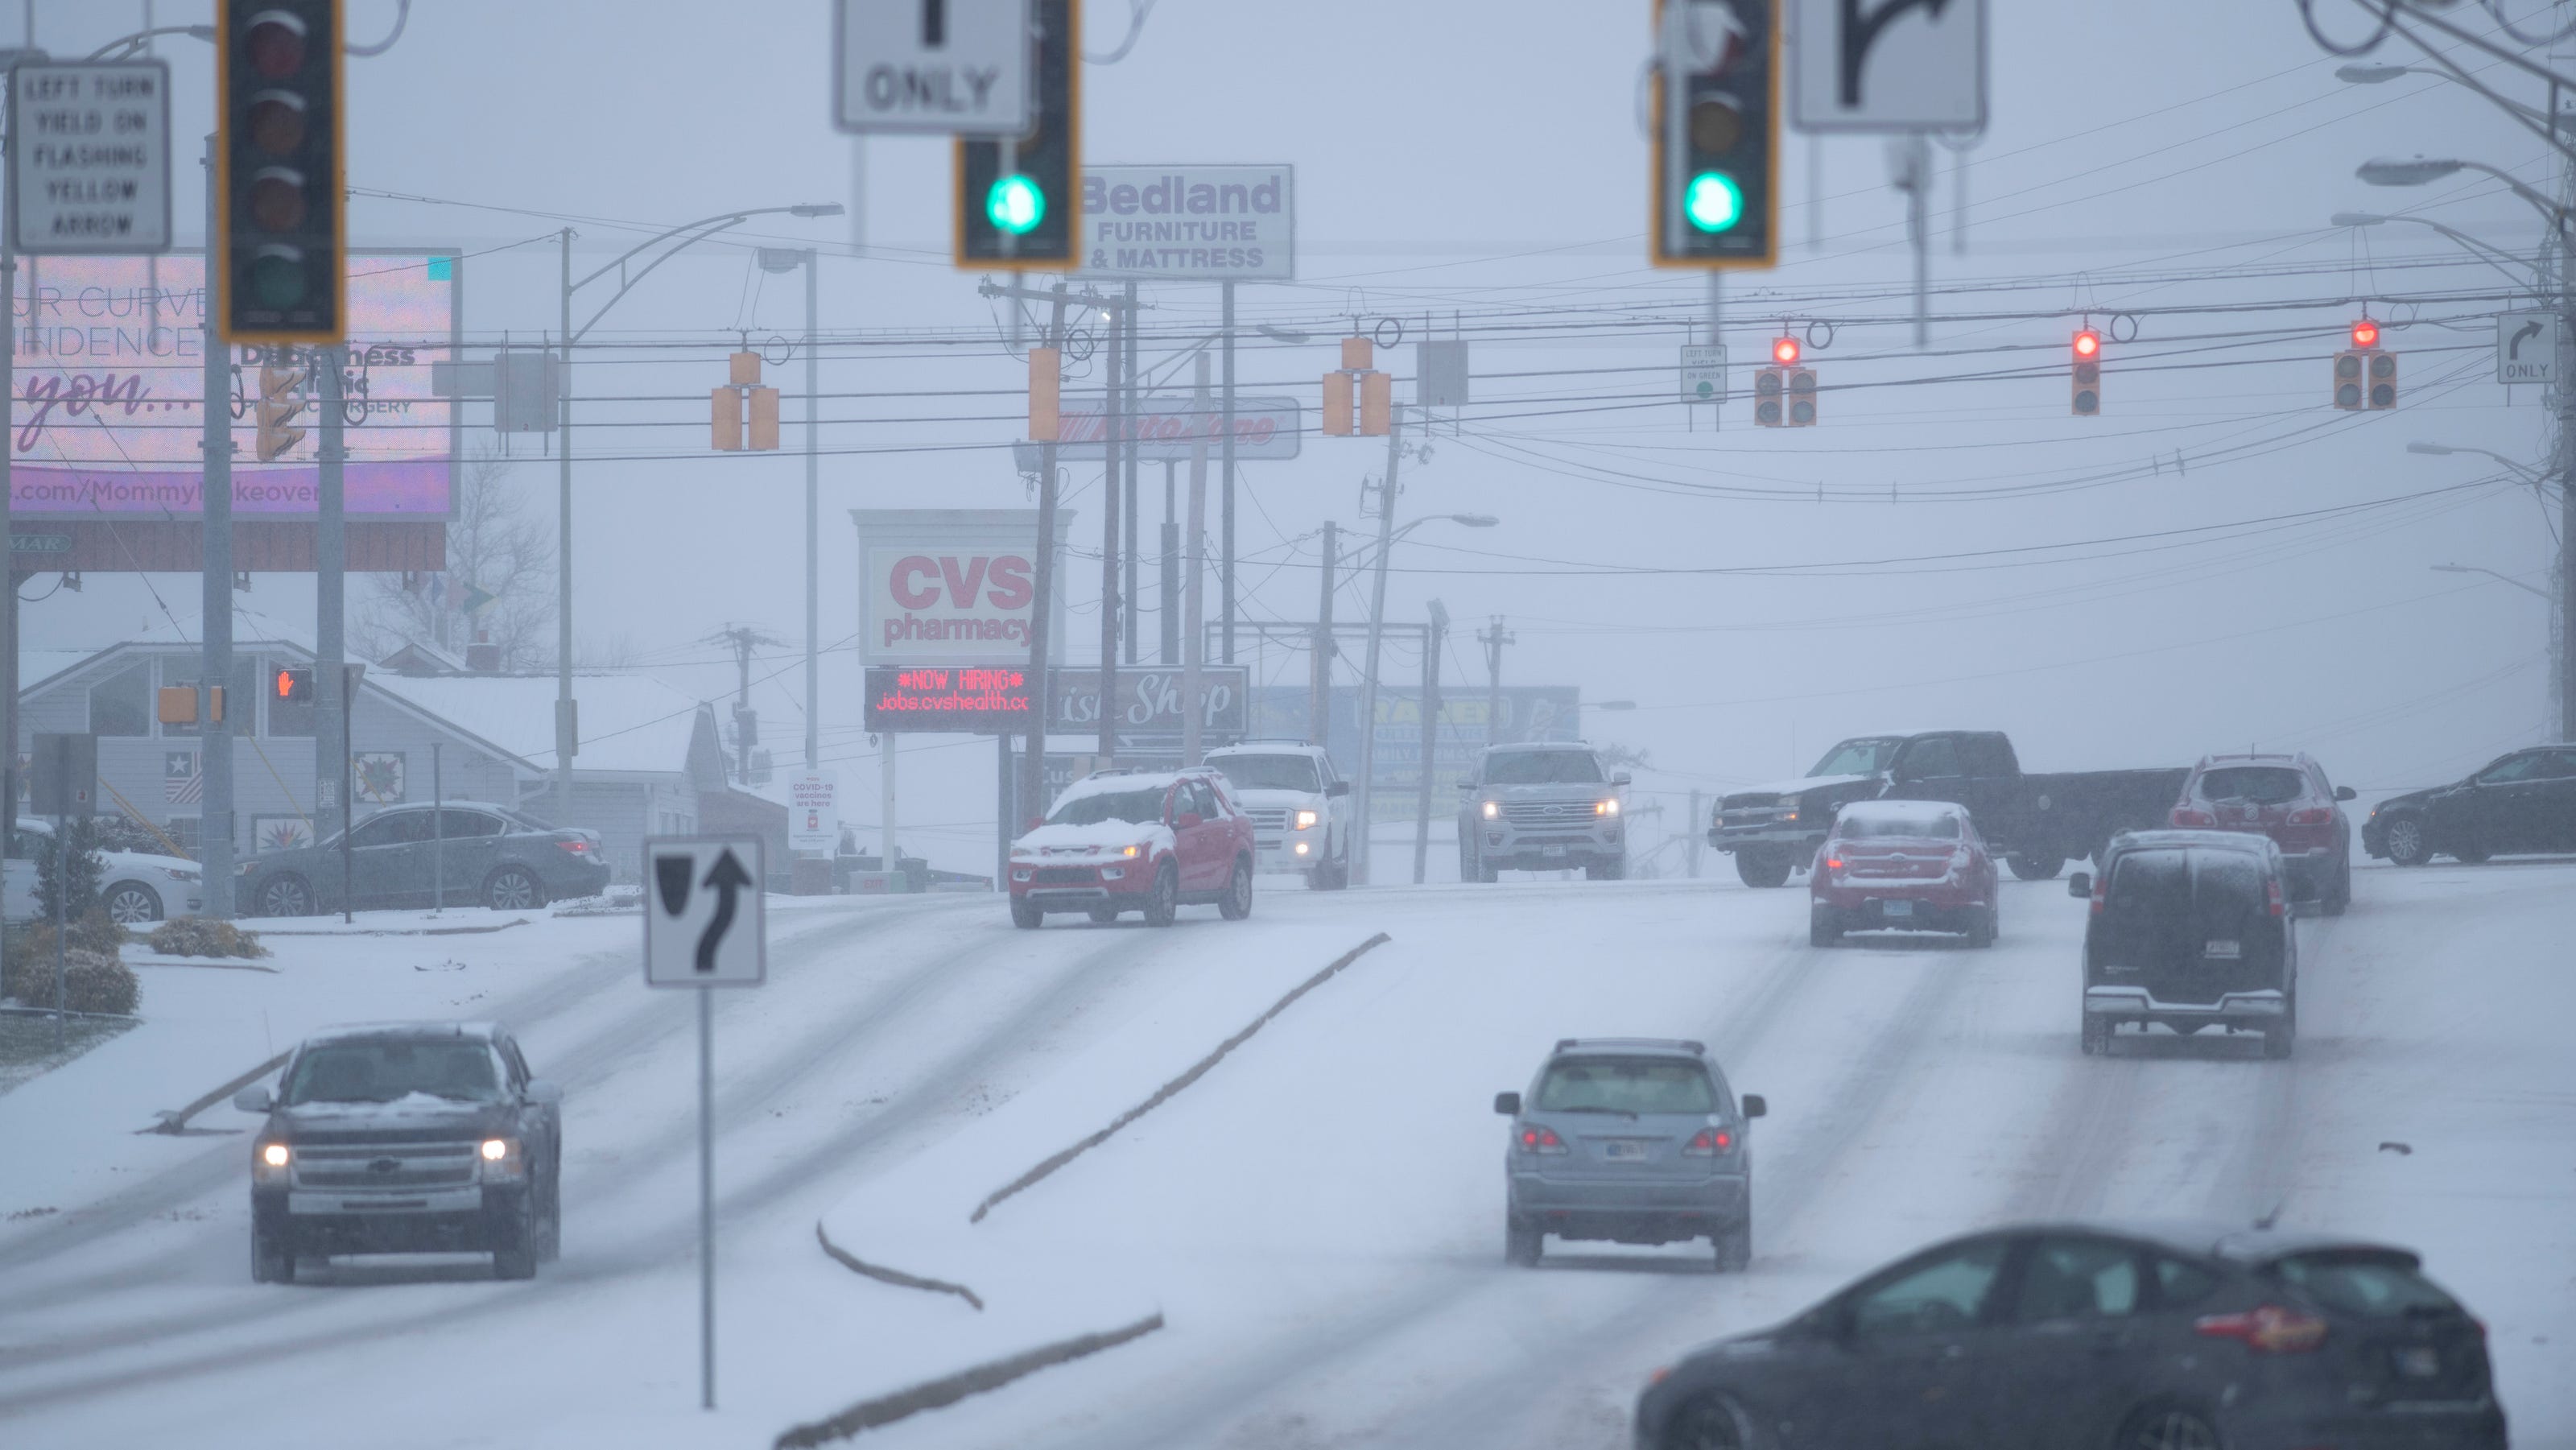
(183, 782)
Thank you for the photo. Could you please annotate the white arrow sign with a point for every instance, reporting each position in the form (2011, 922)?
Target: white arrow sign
(1888, 65)
(704, 923)
(2526, 347)
(954, 67)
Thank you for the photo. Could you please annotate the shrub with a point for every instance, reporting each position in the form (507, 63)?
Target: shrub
(34, 941)
(197, 936)
(88, 868)
(92, 981)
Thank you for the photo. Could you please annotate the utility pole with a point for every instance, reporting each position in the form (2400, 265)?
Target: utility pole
(1691, 835)
(1196, 645)
(214, 737)
(331, 753)
(2565, 582)
(1127, 471)
(813, 526)
(1319, 718)
(566, 711)
(1170, 574)
(1366, 802)
(1432, 644)
(1225, 444)
(9, 558)
(1042, 608)
(1918, 225)
(1493, 640)
(743, 639)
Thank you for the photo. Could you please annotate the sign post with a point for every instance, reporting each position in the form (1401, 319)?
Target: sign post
(705, 926)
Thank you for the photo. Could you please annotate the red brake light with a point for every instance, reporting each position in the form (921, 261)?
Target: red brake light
(1833, 863)
(576, 846)
(2270, 1329)
(1710, 1142)
(2312, 816)
(2186, 816)
(2272, 897)
(1540, 1138)
(2101, 886)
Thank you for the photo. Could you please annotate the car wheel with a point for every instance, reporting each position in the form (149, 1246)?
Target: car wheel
(272, 1259)
(2097, 1035)
(2170, 1429)
(1981, 929)
(1705, 1423)
(1760, 867)
(1523, 1243)
(1824, 927)
(513, 888)
(1735, 1246)
(550, 1240)
(2280, 1041)
(2035, 868)
(1025, 914)
(518, 1258)
(1236, 904)
(1103, 914)
(2339, 896)
(2474, 854)
(131, 903)
(2407, 843)
(1163, 903)
(286, 896)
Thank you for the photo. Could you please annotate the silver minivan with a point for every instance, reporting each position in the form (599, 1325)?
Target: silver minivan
(1632, 1139)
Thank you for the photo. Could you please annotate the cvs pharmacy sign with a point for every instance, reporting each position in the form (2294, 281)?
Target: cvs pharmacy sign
(963, 594)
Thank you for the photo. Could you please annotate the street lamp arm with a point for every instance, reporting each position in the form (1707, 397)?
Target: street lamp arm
(2493, 574)
(2550, 211)
(124, 46)
(2518, 112)
(696, 232)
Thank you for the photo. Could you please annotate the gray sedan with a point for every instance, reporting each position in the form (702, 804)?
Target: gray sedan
(490, 855)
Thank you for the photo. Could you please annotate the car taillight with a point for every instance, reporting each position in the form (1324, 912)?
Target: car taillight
(1833, 863)
(578, 848)
(2186, 816)
(2269, 1329)
(2312, 816)
(1709, 1142)
(1540, 1138)
(2272, 898)
(2101, 885)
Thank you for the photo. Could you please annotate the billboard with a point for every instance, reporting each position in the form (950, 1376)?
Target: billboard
(993, 700)
(108, 414)
(1189, 223)
(1529, 712)
(1147, 708)
(952, 587)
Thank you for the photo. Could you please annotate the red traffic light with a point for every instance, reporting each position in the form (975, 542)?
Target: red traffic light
(2088, 344)
(2365, 333)
(1785, 351)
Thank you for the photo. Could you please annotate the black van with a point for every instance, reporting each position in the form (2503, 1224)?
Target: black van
(2190, 929)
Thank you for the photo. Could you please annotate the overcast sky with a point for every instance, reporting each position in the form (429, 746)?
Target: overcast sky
(1483, 161)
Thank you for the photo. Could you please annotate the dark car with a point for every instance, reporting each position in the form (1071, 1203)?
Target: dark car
(2064, 1337)
(2190, 929)
(459, 854)
(411, 1137)
(2287, 798)
(2522, 802)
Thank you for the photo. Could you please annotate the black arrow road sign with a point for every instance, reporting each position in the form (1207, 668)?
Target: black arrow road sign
(1860, 30)
(705, 922)
(2513, 349)
(726, 880)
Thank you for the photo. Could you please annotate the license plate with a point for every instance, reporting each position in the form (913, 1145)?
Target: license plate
(1896, 908)
(1558, 851)
(2223, 951)
(1624, 1148)
(2419, 1362)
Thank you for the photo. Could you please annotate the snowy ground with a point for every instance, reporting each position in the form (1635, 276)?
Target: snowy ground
(1318, 1218)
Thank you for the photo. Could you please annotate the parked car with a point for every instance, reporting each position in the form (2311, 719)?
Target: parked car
(2521, 802)
(136, 887)
(1541, 807)
(1130, 840)
(462, 853)
(1300, 808)
(406, 1138)
(2287, 798)
(2036, 822)
(2191, 929)
(2053, 1336)
(1903, 866)
(1635, 1139)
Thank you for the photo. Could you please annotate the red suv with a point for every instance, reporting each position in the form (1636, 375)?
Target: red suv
(2287, 798)
(1129, 840)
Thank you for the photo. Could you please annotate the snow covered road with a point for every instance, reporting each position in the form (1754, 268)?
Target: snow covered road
(1320, 1217)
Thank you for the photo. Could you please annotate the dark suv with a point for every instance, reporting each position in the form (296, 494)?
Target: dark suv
(2191, 929)
(406, 1138)
(2058, 1336)
(459, 854)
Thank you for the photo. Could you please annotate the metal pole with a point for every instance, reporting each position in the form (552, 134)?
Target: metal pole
(215, 843)
(706, 1200)
(885, 805)
(813, 530)
(1225, 473)
(2566, 580)
(1319, 718)
(1171, 571)
(1042, 607)
(1493, 640)
(8, 553)
(1717, 338)
(62, 895)
(438, 814)
(349, 800)
(1959, 222)
(1432, 644)
(1918, 214)
(1671, 96)
(566, 712)
(1366, 804)
(1109, 544)
(330, 600)
(1195, 647)
(1127, 470)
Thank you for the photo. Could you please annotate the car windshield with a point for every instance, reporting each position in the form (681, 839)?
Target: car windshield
(2264, 785)
(1542, 767)
(2366, 1282)
(1143, 807)
(1270, 772)
(386, 1070)
(1627, 1085)
(1915, 828)
(1866, 756)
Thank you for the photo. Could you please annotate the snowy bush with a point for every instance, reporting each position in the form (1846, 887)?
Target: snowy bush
(196, 936)
(92, 981)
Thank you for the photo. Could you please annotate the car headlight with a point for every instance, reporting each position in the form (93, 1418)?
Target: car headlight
(273, 1163)
(1306, 820)
(1021, 874)
(1131, 851)
(1493, 809)
(1605, 808)
(502, 1160)
(175, 874)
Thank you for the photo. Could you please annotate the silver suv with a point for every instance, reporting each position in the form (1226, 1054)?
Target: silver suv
(1634, 1139)
(1541, 807)
(1300, 808)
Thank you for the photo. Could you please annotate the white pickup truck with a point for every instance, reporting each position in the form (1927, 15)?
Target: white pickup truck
(1300, 808)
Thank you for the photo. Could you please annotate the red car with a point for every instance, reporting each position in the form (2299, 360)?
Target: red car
(1903, 866)
(1128, 840)
(2287, 798)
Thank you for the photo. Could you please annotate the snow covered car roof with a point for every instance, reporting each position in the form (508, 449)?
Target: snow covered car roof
(351, 1030)
(1923, 812)
(1117, 782)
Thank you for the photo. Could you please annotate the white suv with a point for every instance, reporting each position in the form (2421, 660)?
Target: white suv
(1300, 808)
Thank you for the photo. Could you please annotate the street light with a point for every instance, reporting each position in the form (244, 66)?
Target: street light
(2493, 256)
(2418, 170)
(2492, 574)
(567, 732)
(1281, 334)
(1387, 538)
(2371, 75)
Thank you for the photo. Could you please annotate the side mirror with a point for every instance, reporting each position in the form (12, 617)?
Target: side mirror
(1187, 819)
(1466, 782)
(1508, 1104)
(2345, 793)
(1622, 778)
(1754, 1106)
(542, 1092)
(1338, 788)
(254, 1100)
(2080, 885)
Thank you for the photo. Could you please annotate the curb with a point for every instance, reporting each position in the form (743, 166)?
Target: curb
(406, 930)
(948, 1390)
(896, 1277)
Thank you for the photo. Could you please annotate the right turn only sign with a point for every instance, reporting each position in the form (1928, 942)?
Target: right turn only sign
(2526, 347)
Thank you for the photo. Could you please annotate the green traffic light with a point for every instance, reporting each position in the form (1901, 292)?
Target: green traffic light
(1713, 202)
(1015, 205)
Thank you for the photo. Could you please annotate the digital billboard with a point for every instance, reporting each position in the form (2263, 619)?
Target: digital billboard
(106, 418)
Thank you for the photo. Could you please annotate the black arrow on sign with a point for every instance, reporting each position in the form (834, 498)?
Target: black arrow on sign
(2513, 349)
(1860, 32)
(726, 880)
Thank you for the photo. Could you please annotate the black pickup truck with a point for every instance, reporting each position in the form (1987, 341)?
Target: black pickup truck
(2037, 821)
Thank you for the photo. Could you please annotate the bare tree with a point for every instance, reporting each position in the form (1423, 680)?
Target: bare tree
(494, 547)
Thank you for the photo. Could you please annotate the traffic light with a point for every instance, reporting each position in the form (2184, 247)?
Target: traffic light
(281, 398)
(1357, 381)
(281, 221)
(1028, 217)
(292, 687)
(1768, 384)
(2088, 374)
(2365, 377)
(1802, 397)
(726, 407)
(2383, 380)
(1717, 134)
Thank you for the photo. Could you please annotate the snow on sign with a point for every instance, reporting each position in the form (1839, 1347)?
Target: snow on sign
(1888, 65)
(2526, 347)
(704, 925)
(950, 67)
(89, 158)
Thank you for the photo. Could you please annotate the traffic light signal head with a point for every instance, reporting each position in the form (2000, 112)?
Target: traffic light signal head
(1026, 215)
(2087, 373)
(292, 687)
(281, 225)
(1784, 350)
(2088, 345)
(2365, 333)
(2383, 379)
(1802, 397)
(281, 398)
(1717, 134)
(2348, 388)
(1768, 384)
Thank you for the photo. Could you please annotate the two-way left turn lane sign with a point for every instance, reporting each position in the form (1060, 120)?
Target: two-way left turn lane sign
(704, 925)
